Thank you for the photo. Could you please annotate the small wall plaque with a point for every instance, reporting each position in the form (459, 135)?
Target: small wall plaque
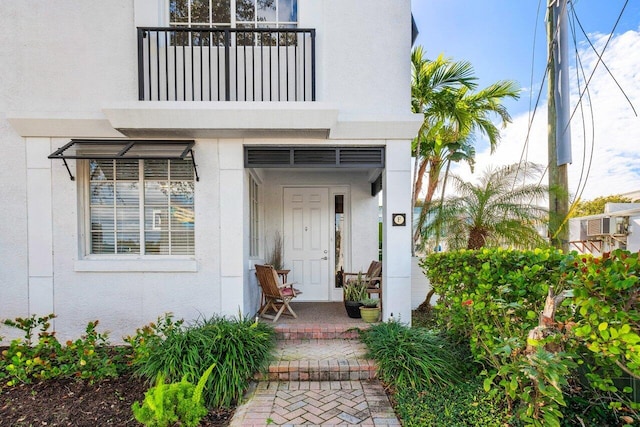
(399, 219)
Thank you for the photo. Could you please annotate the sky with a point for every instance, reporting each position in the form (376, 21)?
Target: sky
(506, 40)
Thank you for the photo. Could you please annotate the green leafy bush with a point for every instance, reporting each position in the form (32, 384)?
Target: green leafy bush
(89, 355)
(27, 359)
(409, 357)
(165, 405)
(151, 336)
(504, 289)
(464, 404)
(585, 407)
(494, 297)
(607, 295)
(238, 348)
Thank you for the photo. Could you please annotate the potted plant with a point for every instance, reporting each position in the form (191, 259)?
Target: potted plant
(354, 291)
(370, 310)
(275, 256)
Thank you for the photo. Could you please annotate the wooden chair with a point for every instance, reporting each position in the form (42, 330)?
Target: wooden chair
(277, 295)
(373, 278)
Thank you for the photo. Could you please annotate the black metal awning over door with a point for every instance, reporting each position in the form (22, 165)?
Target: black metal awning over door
(125, 149)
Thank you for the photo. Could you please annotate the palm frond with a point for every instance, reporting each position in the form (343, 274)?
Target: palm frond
(499, 208)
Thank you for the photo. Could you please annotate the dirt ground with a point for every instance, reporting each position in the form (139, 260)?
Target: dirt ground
(79, 404)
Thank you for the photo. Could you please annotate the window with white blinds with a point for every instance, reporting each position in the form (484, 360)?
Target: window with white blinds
(142, 207)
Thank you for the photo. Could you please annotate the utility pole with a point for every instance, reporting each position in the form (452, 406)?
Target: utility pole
(559, 132)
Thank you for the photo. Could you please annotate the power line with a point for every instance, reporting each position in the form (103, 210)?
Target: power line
(600, 56)
(599, 61)
(580, 68)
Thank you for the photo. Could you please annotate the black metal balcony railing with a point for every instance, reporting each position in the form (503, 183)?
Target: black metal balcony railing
(226, 64)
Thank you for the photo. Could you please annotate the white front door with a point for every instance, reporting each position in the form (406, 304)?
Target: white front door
(306, 240)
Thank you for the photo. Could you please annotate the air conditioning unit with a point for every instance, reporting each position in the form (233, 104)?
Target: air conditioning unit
(622, 226)
(598, 227)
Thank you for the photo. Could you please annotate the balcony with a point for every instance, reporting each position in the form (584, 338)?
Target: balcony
(226, 64)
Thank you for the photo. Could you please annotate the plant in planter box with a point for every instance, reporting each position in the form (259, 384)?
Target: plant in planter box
(354, 291)
(370, 310)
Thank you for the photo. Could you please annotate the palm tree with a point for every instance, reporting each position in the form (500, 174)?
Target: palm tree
(500, 210)
(442, 91)
(429, 80)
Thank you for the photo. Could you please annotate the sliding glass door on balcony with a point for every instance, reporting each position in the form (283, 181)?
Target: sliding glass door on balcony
(209, 64)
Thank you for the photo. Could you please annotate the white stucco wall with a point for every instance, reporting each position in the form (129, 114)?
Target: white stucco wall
(616, 207)
(633, 239)
(396, 243)
(14, 285)
(364, 38)
(67, 56)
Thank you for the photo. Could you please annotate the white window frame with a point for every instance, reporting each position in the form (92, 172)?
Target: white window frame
(254, 217)
(84, 187)
(336, 294)
(234, 22)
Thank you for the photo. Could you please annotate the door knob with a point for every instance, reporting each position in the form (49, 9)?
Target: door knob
(324, 257)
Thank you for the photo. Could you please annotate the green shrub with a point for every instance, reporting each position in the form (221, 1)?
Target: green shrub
(585, 407)
(493, 298)
(238, 347)
(409, 357)
(606, 294)
(165, 405)
(506, 289)
(464, 404)
(26, 359)
(151, 336)
(89, 355)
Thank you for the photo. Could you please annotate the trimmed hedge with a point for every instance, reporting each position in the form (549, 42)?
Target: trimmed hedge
(493, 298)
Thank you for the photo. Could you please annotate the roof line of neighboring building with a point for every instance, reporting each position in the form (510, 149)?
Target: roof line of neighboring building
(626, 212)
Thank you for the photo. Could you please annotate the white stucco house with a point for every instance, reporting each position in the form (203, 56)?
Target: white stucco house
(151, 149)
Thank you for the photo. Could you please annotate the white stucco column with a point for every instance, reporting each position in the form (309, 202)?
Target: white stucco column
(231, 226)
(40, 226)
(396, 240)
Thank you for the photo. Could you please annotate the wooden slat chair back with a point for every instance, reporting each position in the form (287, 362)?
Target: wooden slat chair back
(373, 277)
(374, 273)
(277, 295)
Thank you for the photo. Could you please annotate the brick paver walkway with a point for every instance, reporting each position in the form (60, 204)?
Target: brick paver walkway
(317, 378)
(316, 403)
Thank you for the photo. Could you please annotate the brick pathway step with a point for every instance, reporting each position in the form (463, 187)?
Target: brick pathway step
(292, 331)
(320, 360)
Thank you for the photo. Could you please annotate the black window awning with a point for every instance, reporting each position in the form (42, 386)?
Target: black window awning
(113, 149)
